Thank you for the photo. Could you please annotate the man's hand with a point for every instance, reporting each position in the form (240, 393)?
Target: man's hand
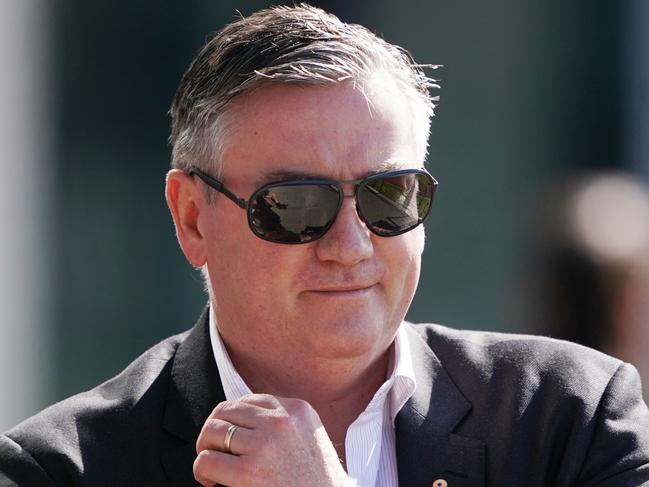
(279, 442)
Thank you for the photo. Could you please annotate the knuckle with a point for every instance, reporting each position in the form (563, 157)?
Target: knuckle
(200, 468)
(249, 399)
(208, 433)
(300, 408)
(279, 422)
(211, 425)
(220, 408)
(261, 399)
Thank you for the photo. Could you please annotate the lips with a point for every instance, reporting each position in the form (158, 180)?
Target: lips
(343, 289)
(343, 282)
(356, 291)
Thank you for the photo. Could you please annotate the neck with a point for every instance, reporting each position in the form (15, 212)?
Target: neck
(338, 390)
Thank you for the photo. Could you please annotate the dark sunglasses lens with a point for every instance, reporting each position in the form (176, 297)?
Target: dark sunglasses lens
(393, 205)
(293, 213)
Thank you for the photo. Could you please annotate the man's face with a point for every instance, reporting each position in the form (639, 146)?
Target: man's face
(340, 297)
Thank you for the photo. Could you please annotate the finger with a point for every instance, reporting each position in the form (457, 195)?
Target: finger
(278, 404)
(267, 401)
(212, 437)
(247, 413)
(264, 401)
(215, 467)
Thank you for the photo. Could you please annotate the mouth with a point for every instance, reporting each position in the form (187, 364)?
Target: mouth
(344, 291)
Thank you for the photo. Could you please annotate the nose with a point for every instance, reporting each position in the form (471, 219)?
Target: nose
(348, 241)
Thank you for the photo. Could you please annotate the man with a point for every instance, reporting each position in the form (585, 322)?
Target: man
(298, 188)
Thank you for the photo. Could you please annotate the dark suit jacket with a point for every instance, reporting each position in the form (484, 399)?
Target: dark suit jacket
(489, 409)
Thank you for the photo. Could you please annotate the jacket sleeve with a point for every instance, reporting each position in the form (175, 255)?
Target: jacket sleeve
(19, 468)
(619, 451)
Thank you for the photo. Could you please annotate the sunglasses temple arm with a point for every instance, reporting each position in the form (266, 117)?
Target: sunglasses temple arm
(229, 194)
(218, 186)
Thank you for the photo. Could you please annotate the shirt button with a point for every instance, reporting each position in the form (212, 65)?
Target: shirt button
(440, 483)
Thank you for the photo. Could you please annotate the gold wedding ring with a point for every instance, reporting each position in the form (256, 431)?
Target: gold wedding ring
(228, 438)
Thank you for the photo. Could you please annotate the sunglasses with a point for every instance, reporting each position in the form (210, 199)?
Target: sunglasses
(303, 210)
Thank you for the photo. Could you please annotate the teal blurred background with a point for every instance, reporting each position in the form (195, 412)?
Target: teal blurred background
(93, 274)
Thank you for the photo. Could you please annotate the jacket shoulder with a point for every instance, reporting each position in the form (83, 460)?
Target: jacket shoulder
(537, 358)
(108, 418)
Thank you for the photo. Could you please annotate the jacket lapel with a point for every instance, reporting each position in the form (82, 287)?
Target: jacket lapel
(195, 389)
(427, 447)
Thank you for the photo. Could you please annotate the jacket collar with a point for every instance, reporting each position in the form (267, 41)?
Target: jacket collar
(194, 391)
(427, 447)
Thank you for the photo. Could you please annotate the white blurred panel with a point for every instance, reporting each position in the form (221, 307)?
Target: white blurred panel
(25, 203)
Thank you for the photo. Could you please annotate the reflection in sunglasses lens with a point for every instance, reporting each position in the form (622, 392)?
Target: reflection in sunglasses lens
(394, 205)
(294, 213)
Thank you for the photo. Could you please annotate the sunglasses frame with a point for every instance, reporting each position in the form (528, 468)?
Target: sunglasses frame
(357, 183)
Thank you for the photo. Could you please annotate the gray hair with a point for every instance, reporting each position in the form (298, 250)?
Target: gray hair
(300, 44)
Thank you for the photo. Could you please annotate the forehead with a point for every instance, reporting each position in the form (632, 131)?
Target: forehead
(339, 131)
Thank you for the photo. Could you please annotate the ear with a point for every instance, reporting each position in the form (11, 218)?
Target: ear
(186, 200)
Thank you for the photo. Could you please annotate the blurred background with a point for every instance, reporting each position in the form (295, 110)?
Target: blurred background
(540, 144)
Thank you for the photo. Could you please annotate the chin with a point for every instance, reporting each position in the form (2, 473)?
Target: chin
(354, 338)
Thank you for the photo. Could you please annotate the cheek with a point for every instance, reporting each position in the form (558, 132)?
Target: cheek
(248, 271)
(404, 251)
(230, 253)
(404, 257)
(419, 239)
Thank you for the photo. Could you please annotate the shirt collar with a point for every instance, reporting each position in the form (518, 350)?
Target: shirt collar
(403, 372)
(233, 385)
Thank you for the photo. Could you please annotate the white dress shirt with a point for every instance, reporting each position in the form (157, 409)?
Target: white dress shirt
(370, 443)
